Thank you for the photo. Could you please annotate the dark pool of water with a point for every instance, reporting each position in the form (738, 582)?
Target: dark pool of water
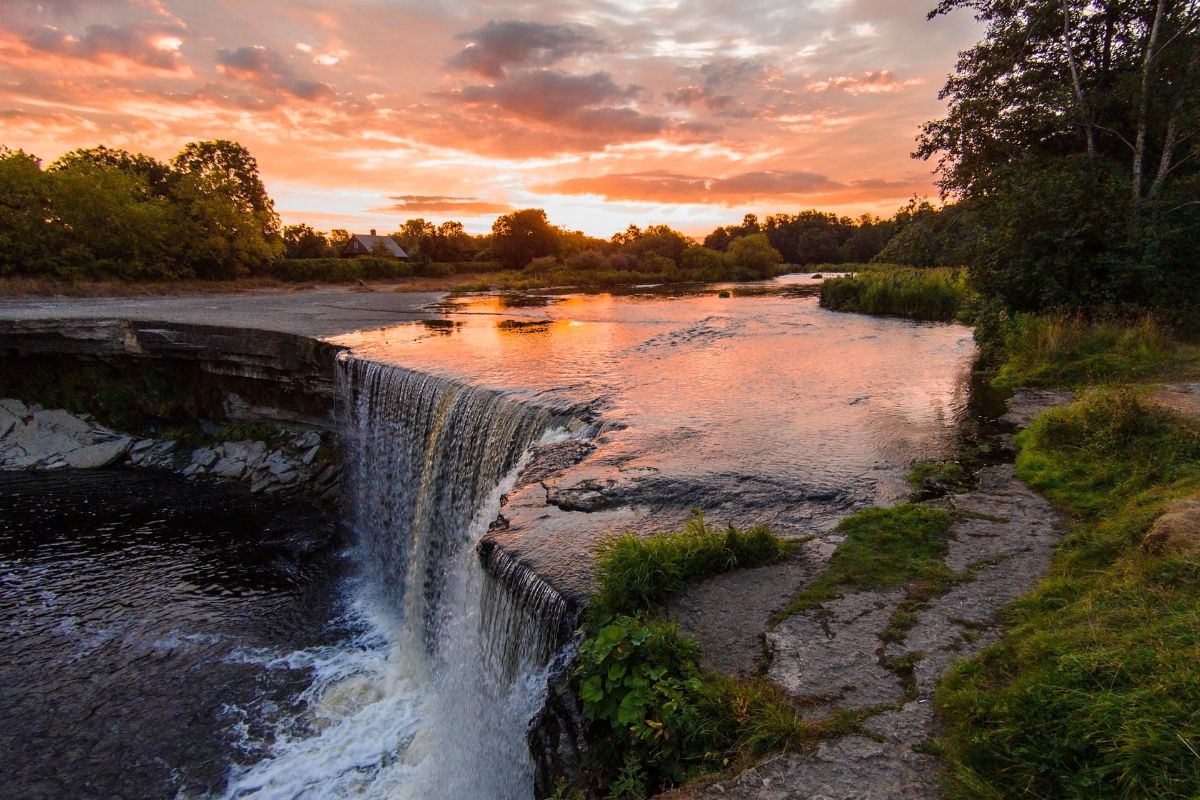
(136, 614)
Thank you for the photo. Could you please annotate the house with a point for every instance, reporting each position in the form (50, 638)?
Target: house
(364, 244)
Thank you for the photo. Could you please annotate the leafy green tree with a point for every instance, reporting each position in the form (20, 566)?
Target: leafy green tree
(24, 209)
(222, 166)
(302, 241)
(155, 173)
(1064, 108)
(753, 257)
(522, 236)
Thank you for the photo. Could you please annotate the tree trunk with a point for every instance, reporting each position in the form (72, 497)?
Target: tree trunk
(1085, 115)
(1143, 123)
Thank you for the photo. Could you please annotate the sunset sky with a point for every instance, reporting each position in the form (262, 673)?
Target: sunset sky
(363, 114)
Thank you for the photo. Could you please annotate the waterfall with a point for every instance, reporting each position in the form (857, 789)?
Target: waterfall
(434, 698)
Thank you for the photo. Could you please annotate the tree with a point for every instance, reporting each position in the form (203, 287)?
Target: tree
(155, 173)
(224, 167)
(233, 226)
(522, 236)
(753, 257)
(302, 241)
(24, 208)
(1064, 108)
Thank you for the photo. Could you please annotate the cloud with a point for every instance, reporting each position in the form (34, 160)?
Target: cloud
(872, 82)
(154, 45)
(268, 70)
(499, 45)
(593, 103)
(670, 187)
(440, 204)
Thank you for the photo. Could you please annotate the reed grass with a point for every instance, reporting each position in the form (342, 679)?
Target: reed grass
(921, 294)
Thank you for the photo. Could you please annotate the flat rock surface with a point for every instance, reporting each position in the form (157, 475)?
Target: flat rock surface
(318, 312)
(832, 657)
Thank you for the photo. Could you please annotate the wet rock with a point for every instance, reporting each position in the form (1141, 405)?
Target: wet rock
(42, 443)
(277, 463)
(192, 470)
(307, 440)
(142, 444)
(101, 454)
(311, 454)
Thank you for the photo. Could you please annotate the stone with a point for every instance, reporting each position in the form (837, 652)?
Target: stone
(63, 422)
(15, 407)
(231, 468)
(204, 456)
(307, 440)
(830, 653)
(42, 442)
(100, 454)
(261, 482)
(289, 477)
(142, 444)
(255, 454)
(8, 421)
(278, 463)
(192, 470)
(309, 456)
(1176, 531)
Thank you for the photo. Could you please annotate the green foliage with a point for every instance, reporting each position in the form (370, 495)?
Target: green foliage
(522, 236)
(1093, 691)
(884, 547)
(925, 294)
(753, 256)
(1069, 350)
(811, 237)
(634, 573)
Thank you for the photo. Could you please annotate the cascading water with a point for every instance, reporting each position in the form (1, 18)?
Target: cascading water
(434, 696)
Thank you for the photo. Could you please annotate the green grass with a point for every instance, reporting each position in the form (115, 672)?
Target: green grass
(635, 573)
(1067, 350)
(945, 474)
(924, 294)
(1094, 691)
(884, 547)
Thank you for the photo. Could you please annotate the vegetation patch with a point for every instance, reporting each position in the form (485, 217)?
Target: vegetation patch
(1093, 691)
(923, 294)
(885, 547)
(657, 719)
(634, 573)
(1068, 350)
(938, 476)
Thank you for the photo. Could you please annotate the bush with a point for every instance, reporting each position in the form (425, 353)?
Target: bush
(634, 573)
(339, 270)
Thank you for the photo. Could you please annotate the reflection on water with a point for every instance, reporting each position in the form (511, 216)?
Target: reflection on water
(131, 607)
(763, 407)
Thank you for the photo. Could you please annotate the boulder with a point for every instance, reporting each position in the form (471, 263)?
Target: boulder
(231, 468)
(1176, 532)
(8, 421)
(15, 407)
(63, 422)
(100, 454)
(204, 456)
(311, 454)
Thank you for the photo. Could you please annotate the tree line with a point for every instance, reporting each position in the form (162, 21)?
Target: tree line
(101, 212)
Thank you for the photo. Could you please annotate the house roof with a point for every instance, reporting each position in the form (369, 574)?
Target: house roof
(370, 240)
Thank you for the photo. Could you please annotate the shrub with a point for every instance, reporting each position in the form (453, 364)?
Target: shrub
(634, 573)
(925, 294)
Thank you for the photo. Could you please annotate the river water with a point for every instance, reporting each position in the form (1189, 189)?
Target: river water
(162, 639)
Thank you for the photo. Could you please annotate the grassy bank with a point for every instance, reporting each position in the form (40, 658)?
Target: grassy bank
(923, 294)
(1069, 351)
(656, 718)
(1093, 691)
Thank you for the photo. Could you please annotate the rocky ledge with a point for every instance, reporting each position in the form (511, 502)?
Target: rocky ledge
(36, 438)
